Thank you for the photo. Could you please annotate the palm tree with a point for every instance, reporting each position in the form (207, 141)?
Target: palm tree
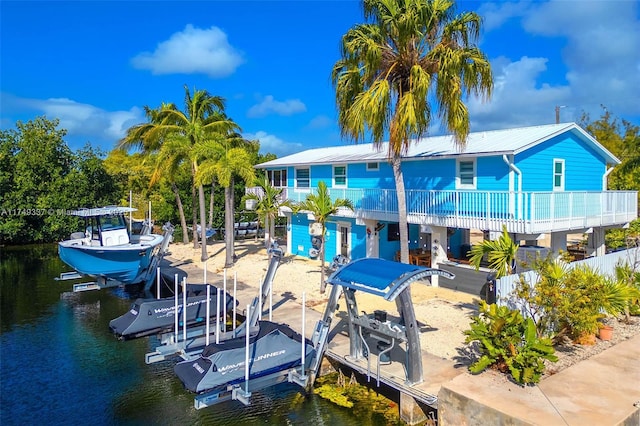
(269, 202)
(145, 136)
(500, 253)
(225, 157)
(203, 117)
(322, 206)
(412, 53)
(168, 162)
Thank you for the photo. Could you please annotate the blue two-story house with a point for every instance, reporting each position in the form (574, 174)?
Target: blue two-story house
(540, 182)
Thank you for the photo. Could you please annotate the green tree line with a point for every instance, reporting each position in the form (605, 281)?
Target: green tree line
(41, 178)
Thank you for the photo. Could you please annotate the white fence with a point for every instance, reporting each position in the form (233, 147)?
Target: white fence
(603, 264)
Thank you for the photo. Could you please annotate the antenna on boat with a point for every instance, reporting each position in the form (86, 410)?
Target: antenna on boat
(131, 207)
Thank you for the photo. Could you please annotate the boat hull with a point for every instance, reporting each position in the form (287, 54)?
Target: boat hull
(127, 264)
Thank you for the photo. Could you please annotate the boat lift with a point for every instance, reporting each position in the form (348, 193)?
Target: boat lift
(102, 282)
(190, 343)
(391, 281)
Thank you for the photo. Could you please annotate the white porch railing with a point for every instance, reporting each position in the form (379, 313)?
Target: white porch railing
(521, 212)
(603, 264)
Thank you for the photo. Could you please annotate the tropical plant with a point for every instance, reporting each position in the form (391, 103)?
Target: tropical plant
(571, 301)
(501, 254)
(202, 118)
(508, 342)
(409, 54)
(224, 157)
(269, 200)
(630, 277)
(322, 206)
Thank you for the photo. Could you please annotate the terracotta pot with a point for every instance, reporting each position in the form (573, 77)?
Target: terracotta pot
(605, 332)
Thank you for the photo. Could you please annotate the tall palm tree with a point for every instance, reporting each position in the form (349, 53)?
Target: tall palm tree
(410, 54)
(224, 158)
(322, 207)
(269, 202)
(147, 138)
(169, 160)
(203, 117)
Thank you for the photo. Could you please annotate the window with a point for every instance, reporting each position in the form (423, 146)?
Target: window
(558, 175)
(373, 167)
(466, 178)
(302, 179)
(277, 178)
(339, 176)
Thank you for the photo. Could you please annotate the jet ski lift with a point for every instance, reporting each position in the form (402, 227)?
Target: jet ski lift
(233, 369)
(391, 281)
(154, 316)
(190, 343)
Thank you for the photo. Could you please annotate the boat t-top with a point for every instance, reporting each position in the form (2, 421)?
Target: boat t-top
(105, 249)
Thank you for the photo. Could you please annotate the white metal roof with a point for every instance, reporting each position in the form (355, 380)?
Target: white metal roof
(495, 142)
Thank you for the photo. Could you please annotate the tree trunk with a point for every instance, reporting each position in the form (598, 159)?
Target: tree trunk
(229, 235)
(194, 209)
(402, 209)
(203, 224)
(213, 185)
(323, 285)
(267, 232)
(183, 220)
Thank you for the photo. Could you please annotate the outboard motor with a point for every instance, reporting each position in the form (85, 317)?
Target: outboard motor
(488, 292)
(338, 262)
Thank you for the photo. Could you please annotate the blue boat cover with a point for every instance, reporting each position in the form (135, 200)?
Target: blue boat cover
(382, 277)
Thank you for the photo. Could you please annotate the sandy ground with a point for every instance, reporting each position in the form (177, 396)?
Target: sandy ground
(443, 314)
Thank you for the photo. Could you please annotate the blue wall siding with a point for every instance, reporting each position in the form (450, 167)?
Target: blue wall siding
(583, 166)
(358, 241)
(359, 177)
(323, 172)
(429, 174)
(300, 238)
(492, 174)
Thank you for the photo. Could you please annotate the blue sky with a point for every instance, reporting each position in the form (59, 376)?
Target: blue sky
(95, 65)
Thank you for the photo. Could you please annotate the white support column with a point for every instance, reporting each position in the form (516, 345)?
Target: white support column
(558, 242)
(289, 249)
(372, 243)
(595, 243)
(438, 249)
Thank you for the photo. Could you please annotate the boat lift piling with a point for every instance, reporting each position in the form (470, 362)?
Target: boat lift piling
(196, 338)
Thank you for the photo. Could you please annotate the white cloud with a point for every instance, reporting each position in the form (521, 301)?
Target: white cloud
(496, 14)
(273, 144)
(320, 122)
(192, 51)
(516, 99)
(600, 49)
(270, 106)
(80, 119)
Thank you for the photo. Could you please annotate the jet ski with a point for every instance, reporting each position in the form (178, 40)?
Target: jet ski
(275, 347)
(153, 316)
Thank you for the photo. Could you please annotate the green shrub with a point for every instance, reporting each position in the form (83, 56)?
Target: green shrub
(572, 301)
(509, 343)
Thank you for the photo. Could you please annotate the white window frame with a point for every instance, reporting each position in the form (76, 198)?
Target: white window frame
(302, 188)
(373, 169)
(333, 183)
(459, 184)
(270, 174)
(562, 175)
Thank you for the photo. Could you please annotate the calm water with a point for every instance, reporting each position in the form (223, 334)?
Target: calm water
(59, 364)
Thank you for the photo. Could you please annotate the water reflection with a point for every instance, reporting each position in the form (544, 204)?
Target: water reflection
(61, 365)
